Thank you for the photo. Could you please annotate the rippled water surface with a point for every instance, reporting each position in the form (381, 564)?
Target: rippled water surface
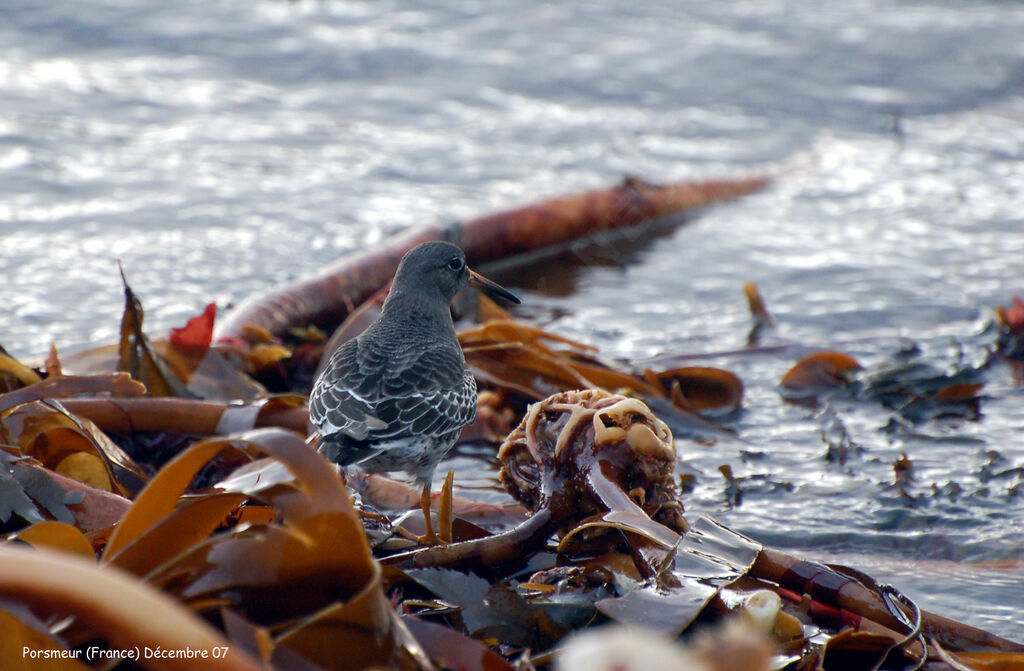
(219, 148)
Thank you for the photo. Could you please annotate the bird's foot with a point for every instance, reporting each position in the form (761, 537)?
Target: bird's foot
(444, 514)
(430, 539)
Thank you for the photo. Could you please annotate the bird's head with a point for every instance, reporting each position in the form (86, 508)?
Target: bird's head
(440, 268)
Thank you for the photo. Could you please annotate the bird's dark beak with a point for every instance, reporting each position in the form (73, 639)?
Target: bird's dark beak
(490, 288)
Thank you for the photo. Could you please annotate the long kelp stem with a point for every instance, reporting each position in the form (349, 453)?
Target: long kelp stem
(326, 298)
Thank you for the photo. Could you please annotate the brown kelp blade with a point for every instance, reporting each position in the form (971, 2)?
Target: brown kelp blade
(14, 374)
(182, 365)
(136, 354)
(818, 373)
(117, 606)
(20, 641)
(363, 632)
(57, 536)
(454, 650)
(215, 373)
(327, 298)
(161, 495)
(189, 524)
(987, 661)
(762, 318)
(71, 385)
(71, 445)
(858, 594)
(192, 416)
(702, 389)
(35, 493)
(306, 573)
(512, 355)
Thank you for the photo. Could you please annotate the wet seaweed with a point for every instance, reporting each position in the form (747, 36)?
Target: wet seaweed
(179, 505)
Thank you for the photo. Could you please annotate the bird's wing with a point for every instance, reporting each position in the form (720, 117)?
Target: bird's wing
(344, 396)
(370, 394)
(429, 393)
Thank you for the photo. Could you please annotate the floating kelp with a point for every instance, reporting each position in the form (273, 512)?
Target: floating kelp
(916, 390)
(818, 373)
(327, 299)
(762, 318)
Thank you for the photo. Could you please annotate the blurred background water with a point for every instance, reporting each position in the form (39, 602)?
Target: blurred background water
(220, 148)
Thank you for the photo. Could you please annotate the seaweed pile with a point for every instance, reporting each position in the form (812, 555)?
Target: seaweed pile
(162, 505)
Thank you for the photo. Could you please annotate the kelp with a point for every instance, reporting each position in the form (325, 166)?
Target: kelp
(576, 448)
(326, 299)
(192, 416)
(540, 468)
(137, 620)
(276, 557)
(817, 374)
(594, 468)
(452, 650)
(71, 445)
(841, 595)
(508, 355)
(916, 390)
(70, 385)
(182, 365)
(327, 583)
(170, 531)
(247, 529)
(135, 354)
(762, 318)
(46, 495)
(54, 459)
(26, 495)
(14, 374)
(216, 373)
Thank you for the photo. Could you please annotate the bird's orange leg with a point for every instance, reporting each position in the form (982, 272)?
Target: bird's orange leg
(444, 514)
(428, 538)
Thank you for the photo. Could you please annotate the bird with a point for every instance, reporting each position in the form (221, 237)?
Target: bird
(395, 397)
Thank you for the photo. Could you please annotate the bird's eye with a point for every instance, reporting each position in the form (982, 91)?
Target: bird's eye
(456, 264)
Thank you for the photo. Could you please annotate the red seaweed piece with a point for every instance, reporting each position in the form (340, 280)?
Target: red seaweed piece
(197, 333)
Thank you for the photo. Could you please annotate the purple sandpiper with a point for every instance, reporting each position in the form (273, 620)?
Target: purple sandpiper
(395, 398)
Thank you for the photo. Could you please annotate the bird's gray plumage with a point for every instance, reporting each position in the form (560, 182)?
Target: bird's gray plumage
(397, 396)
